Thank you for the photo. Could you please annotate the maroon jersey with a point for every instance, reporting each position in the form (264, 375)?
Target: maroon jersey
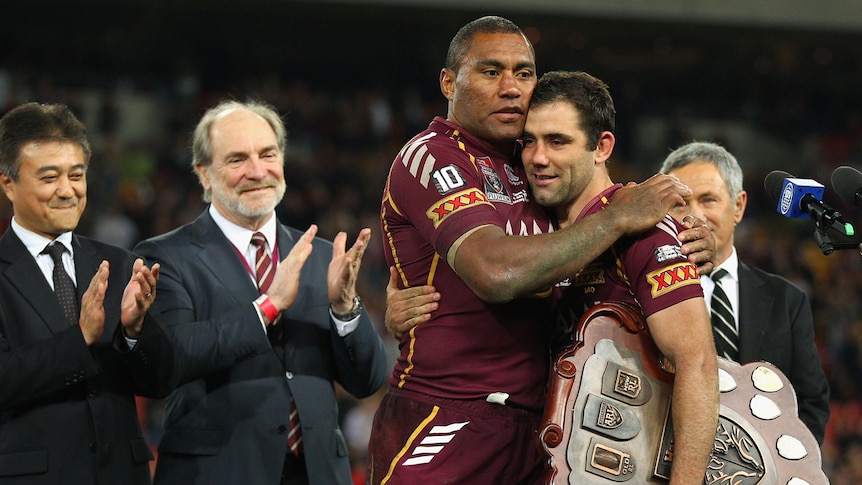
(648, 270)
(442, 184)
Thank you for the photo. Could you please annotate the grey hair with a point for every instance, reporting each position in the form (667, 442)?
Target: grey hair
(202, 145)
(712, 153)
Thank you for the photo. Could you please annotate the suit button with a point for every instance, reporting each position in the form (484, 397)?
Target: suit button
(288, 374)
(92, 446)
(282, 429)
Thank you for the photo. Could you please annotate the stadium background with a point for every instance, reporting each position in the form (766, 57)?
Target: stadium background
(776, 82)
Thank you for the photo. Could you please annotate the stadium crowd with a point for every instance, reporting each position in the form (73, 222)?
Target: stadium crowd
(341, 143)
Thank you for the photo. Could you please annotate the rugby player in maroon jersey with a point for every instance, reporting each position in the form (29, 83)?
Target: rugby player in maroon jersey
(466, 394)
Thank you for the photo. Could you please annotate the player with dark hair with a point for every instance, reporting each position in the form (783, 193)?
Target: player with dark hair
(466, 394)
(568, 140)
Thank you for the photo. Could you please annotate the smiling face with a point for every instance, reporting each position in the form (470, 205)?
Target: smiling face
(563, 170)
(489, 94)
(711, 202)
(51, 191)
(246, 175)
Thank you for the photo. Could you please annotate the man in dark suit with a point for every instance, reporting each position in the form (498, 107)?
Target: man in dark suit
(771, 315)
(72, 356)
(229, 422)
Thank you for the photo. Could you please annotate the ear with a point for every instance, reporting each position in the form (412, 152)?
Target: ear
(8, 189)
(605, 147)
(203, 175)
(739, 206)
(447, 83)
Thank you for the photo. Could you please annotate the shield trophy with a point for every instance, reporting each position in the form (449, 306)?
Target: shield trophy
(608, 420)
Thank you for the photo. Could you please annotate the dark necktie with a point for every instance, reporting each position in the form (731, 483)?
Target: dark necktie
(723, 323)
(64, 287)
(264, 273)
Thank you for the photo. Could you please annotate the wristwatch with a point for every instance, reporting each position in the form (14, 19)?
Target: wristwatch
(353, 313)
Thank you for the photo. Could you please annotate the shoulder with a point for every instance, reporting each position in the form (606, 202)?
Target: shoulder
(180, 236)
(772, 281)
(430, 146)
(106, 251)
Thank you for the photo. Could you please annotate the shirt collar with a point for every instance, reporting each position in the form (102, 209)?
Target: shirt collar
(240, 236)
(36, 243)
(731, 265)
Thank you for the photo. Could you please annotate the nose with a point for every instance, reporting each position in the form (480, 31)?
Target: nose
(535, 155)
(509, 86)
(692, 208)
(65, 189)
(696, 210)
(256, 168)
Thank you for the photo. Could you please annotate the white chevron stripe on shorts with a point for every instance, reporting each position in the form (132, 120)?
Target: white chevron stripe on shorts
(438, 435)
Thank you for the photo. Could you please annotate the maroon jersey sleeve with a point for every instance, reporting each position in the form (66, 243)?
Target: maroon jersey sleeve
(436, 188)
(659, 274)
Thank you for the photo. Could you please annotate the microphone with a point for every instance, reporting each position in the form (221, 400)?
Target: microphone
(847, 182)
(800, 199)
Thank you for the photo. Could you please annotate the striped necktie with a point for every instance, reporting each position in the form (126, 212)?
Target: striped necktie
(723, 323)
(263, 268)
(64, 287)
(264, 273)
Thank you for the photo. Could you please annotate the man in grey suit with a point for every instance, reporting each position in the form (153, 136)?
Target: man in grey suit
(231, 420)
(76, 342)
(772, 316)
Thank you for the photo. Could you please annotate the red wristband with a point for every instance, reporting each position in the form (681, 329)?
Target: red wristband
(268, 308)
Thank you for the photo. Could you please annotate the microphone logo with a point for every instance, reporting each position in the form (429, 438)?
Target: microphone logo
(786, 199)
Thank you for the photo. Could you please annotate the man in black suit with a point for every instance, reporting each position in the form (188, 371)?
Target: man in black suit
(72, 356)
(772, 316)
(229, 422)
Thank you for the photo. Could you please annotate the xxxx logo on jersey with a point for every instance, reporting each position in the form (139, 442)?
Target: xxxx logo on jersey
(672, 277)
(454, 203)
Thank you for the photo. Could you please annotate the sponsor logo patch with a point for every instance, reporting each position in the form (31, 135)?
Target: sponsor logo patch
(668, 252)
(520, 196)
(456, 202)
(672, 277)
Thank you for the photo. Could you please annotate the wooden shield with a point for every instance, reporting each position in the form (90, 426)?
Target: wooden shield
(607, 418)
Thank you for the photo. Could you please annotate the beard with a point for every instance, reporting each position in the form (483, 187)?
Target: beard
(250, 207)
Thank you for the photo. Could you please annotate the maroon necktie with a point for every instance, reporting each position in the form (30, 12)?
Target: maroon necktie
(263, 268)
(265, 272)
(64, 287)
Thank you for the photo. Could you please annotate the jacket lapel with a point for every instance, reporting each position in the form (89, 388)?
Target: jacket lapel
(221, 258)
(755, 305)
(86, 263)
(19, 267)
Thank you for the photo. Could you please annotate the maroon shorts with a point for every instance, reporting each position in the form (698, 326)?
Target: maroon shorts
(418, 439)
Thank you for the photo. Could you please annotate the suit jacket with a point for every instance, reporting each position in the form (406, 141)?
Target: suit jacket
(776, 325)
(227, 421)
(67, 411)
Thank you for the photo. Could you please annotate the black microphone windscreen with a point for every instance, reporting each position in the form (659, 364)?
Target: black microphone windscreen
(847, 182)
(773, 183)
